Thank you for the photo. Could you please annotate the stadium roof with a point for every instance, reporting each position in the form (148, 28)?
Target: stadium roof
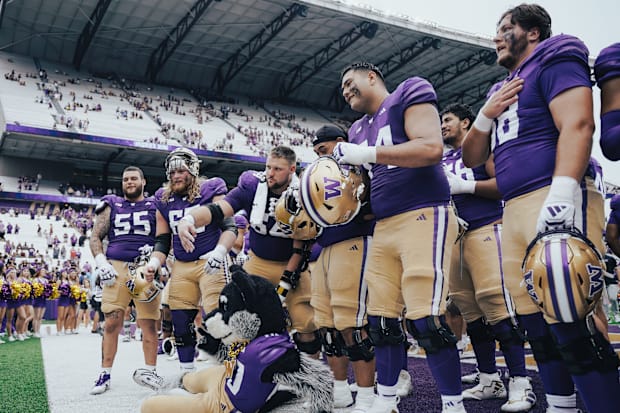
(270, 49)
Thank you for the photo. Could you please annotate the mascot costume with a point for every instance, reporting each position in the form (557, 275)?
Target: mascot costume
(248, 333)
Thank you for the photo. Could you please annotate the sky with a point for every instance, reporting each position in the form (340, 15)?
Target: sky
(596, 22)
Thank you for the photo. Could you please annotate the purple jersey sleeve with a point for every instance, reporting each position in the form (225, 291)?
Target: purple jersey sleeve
(132, 225)
(386, 128)
(607, 65)
(177, 206)
(476, 210)
(524, 137)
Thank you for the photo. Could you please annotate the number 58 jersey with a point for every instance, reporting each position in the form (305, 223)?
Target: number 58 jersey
(132, 224)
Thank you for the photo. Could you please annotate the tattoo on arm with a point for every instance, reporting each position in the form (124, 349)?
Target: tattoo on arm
(100, 231)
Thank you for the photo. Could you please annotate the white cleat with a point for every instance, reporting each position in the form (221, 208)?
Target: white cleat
(490, 387)
(363, 404)
(102, 384)
(381, 405)
(148, 378)
(521, 397)
(453, 407)
(404, 387)
(473, 378)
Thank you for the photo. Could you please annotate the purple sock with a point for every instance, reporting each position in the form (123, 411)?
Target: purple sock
(513, 351)
(389, 357)
(554, 375)
(483, 343)
(406, 346)
(183, 324)
(599, 390)
(444, 364)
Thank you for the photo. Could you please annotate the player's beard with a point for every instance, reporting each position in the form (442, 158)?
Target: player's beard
(279, 187)
(516, 47)
(135, 194)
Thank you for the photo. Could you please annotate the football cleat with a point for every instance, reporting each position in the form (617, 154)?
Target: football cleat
(453, 407)
(148, 378)
(382, 405)
(102, 384)
(490, 387)
(473, 378)
(363, 404)
(521, 397)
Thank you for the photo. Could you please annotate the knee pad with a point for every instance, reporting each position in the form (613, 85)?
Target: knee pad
(184, 331)
(385, 331)
(361, 349)
(589, 352)
(432, 333)
(309, 347)
(512, 337)
(544, 349)
(332, 341)
(167, 345)
(480, 332)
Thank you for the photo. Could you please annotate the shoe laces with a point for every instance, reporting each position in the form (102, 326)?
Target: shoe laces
(103, 378)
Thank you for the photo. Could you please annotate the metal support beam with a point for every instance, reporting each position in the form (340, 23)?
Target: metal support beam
(88, 32)
(309, 67)
(235, 63)
(2, 7)
(106, 166)
(447, 74)
(174, 38)
(391, 65)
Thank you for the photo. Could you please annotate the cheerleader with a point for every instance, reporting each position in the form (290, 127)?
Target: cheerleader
(39, 287)
(15, 306)
(26, 280)
(64, 302)
(5, 293)
(74, 297)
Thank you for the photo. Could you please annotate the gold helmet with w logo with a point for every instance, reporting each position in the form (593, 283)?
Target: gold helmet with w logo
(137, 285)
(293, 219)
(330, 194)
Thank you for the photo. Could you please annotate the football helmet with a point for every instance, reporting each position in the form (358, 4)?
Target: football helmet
(331, 195)
(137, 285)
(563, 274)
(292, 217)
(182, 158)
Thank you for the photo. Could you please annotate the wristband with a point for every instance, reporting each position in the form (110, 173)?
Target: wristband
(482, 123)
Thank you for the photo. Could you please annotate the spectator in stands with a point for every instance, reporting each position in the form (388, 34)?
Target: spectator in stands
(2, 230)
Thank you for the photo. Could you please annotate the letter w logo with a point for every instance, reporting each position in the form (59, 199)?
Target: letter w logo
(332, 188)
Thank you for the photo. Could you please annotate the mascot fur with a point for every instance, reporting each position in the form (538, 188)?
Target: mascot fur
(248, 333)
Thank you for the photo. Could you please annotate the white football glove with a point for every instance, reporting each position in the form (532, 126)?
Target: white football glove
(215, 259)
(151, 268)
(558, 210)
(459, 185)
(352, 154)
(105, 271)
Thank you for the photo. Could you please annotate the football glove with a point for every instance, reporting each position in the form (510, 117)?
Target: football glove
(214, 259)
(105, 271)
(558, 210)
(352, 154)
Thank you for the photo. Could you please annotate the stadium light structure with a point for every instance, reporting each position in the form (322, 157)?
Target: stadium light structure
(447, 74)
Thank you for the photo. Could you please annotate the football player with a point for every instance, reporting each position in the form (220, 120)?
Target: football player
(273, 255)
(538, 123)
(197, 276)
(399, 140)
(128, 222)
(476, 285)
(339, 295)
(607, 73)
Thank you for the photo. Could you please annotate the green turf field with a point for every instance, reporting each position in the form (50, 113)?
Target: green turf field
(22, 379)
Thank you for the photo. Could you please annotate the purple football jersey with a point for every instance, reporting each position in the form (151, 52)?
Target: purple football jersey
(132, 225)
(524, 137)
(607, 65)
(177, 206)
(394, 190)
(268, 240)
(476, 210)
(245, 389)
